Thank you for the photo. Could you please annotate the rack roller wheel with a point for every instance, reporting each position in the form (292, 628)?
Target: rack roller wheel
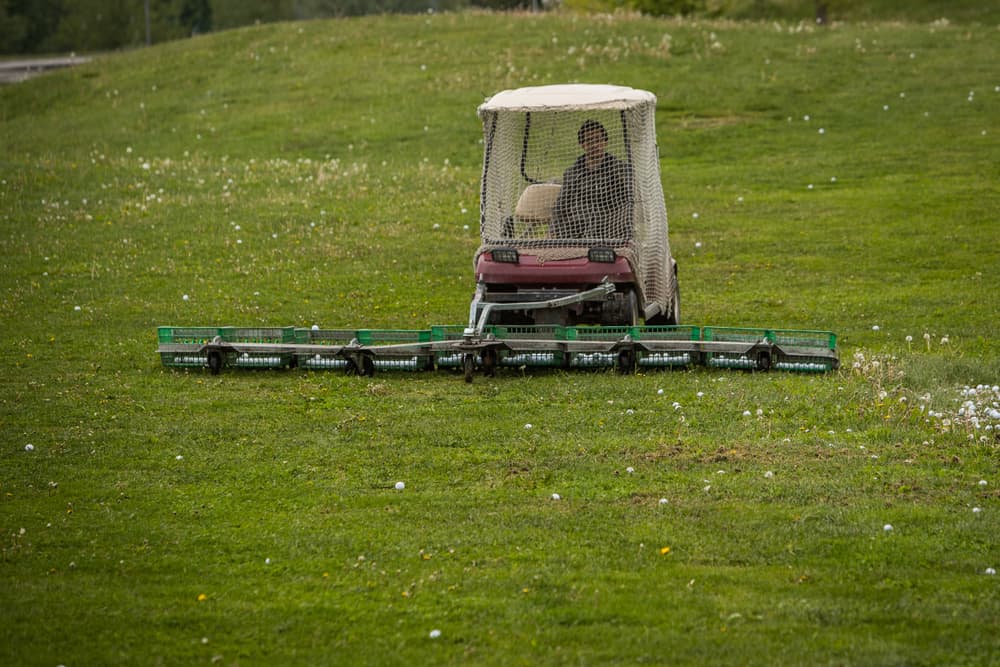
(469, 366)
(365, 369)
(625, 362)
(764, 361)
(214, 358)
(490, 361)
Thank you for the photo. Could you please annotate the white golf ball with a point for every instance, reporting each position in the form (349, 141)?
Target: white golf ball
(630, 470)
(29, 447)
(435, 633)
(185, 297)
(887, 527)
(400, 486)
(990, 570)
(664, 501)
(556, 496)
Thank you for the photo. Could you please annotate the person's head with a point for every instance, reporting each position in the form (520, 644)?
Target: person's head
(593, 138)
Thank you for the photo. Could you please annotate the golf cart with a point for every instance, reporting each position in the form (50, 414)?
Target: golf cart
(571, 199)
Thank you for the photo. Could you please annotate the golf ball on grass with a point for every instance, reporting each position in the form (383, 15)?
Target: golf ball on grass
(29, 447)
(400, 486)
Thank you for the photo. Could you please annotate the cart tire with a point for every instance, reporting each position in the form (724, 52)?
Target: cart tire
(675, 304)
(215, 361)
(469, 366)
(631, 309)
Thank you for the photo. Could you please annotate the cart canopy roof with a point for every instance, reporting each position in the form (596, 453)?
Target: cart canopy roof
(576, 96)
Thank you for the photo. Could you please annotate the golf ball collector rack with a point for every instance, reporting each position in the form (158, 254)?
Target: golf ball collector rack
(486, 347)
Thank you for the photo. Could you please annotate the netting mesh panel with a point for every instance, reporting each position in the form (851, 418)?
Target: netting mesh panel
(557, 182)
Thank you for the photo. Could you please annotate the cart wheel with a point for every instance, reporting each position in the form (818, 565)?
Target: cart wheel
(764, 361)
(675, 303)
(469, 365)
(489, 362)
(215, 361)
(625, 364)
(367, 368)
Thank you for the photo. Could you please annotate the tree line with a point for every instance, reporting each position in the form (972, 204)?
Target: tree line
(59, 26)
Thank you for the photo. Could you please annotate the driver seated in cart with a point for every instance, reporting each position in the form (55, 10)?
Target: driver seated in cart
(595, 201)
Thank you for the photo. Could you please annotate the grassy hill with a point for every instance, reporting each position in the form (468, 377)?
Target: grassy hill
(840, 178)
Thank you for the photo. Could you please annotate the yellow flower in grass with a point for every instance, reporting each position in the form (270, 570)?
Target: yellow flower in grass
(664, 551)
(202, 597)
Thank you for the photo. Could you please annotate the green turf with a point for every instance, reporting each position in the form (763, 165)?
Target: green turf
(325, 173)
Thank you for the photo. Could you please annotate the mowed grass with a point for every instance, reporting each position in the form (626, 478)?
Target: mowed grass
(326, 172)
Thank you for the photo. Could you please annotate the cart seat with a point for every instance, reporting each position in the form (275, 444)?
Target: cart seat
(534, 207)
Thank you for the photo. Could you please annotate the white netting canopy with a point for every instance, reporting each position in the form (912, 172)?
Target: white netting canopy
(570, 167)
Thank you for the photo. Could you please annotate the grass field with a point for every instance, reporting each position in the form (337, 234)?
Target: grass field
(326, 173)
